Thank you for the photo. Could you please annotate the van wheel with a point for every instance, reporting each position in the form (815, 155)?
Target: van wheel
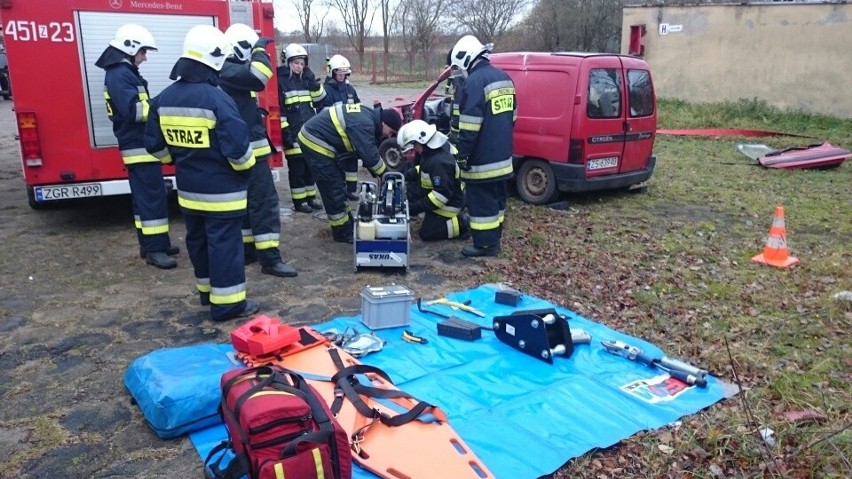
(390, 151)
(536, 182)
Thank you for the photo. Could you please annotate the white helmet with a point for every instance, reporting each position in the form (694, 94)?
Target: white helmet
(418, 131)
(294, 50)
(242, 37)
(130, 38)
(206, 44)
(466, 51)
(339, 62)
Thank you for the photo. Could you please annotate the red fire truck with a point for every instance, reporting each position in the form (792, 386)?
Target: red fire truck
(68, 149)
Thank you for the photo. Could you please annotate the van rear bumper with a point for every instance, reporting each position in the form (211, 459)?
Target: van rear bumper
(572, 178)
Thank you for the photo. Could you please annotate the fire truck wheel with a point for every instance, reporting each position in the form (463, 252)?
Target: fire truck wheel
(390, 152)
(32, 201)
(536, 182)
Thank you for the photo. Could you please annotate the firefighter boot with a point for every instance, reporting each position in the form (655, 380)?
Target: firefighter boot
(464, 226)
(271, 263)
(303, 208)
(250, 308)
(172, 251)
(476, 251)
(343, 233)
(315, 204)
(160, 260)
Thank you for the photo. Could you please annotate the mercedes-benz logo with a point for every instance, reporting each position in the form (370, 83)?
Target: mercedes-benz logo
(115, 4)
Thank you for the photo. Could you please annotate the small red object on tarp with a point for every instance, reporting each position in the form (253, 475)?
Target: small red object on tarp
(263, 335)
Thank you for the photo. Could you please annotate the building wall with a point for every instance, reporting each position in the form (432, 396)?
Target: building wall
(796, 56)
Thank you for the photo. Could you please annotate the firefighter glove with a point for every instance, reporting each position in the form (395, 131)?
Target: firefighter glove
(262, 42)
(310, 79)
(462, 162)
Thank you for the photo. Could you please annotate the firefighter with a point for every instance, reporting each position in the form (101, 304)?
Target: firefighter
(209, 142)
(344, 128)
(339, 90)
(441, 191)
(244, 74)
(126, 95)
(454, 85)
(299, 93)
(487, 115)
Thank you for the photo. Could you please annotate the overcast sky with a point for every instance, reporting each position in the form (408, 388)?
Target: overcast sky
(287, 20)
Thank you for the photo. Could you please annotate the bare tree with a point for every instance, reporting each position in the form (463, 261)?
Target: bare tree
(357, 20)
(308, 10)
(582, 25)
(488, 20)
(385, 7)
(419, 23)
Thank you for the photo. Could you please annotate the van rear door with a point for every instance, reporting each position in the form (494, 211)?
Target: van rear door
(600, 115)
(641, 122)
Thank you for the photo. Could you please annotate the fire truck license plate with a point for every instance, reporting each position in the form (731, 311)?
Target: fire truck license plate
(52, 193)
(600, 163)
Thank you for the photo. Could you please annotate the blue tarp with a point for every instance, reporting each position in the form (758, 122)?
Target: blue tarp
(523, 417)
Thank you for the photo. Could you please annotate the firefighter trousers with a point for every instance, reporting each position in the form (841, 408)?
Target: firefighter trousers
(436, 227)
(302, 186)
(349, 165)
(486, 203)
(150, 206)
(328, 175)
(215, 249)
(262, 223)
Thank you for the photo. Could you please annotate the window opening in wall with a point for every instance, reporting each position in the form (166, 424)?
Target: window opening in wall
(637, 40)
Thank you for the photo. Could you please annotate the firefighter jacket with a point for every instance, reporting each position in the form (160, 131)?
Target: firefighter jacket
(440, 181)
(202, 129)
(126, 95)
(342, 129)
(487, 110)
(242, 81)
(455, 85)
(299, 96)
(339, 92)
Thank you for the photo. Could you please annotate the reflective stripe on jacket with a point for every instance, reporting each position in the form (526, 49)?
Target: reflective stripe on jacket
(440, 180)
(202, 129)
(242, 81)
(487, 107)
(298, 103)
(127, 104)
(345, 129)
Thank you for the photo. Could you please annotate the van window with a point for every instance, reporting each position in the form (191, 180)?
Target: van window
(604, 93)
(641, 94)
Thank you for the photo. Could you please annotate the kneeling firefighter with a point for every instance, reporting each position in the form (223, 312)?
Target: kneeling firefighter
(441, 191)
(342, 128)
(244, 74)
(209, 142)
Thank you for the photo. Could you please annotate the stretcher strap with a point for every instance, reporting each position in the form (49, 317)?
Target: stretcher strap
(347, 385)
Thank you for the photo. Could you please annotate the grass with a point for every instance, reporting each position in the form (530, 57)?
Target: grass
(672, 265)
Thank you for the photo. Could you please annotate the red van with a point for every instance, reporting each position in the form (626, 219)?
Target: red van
(586, 121)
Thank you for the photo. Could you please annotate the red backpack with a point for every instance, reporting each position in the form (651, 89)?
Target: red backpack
(279, 427)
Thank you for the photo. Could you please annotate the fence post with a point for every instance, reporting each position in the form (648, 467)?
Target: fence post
(385, 66)
(373, 61)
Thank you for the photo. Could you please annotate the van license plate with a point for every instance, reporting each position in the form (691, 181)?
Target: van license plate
(53, 193)
(600, 163)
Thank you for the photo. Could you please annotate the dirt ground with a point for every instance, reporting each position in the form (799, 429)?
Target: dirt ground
(77, 305)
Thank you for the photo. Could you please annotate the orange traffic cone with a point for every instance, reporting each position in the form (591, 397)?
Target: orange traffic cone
(775, 252)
